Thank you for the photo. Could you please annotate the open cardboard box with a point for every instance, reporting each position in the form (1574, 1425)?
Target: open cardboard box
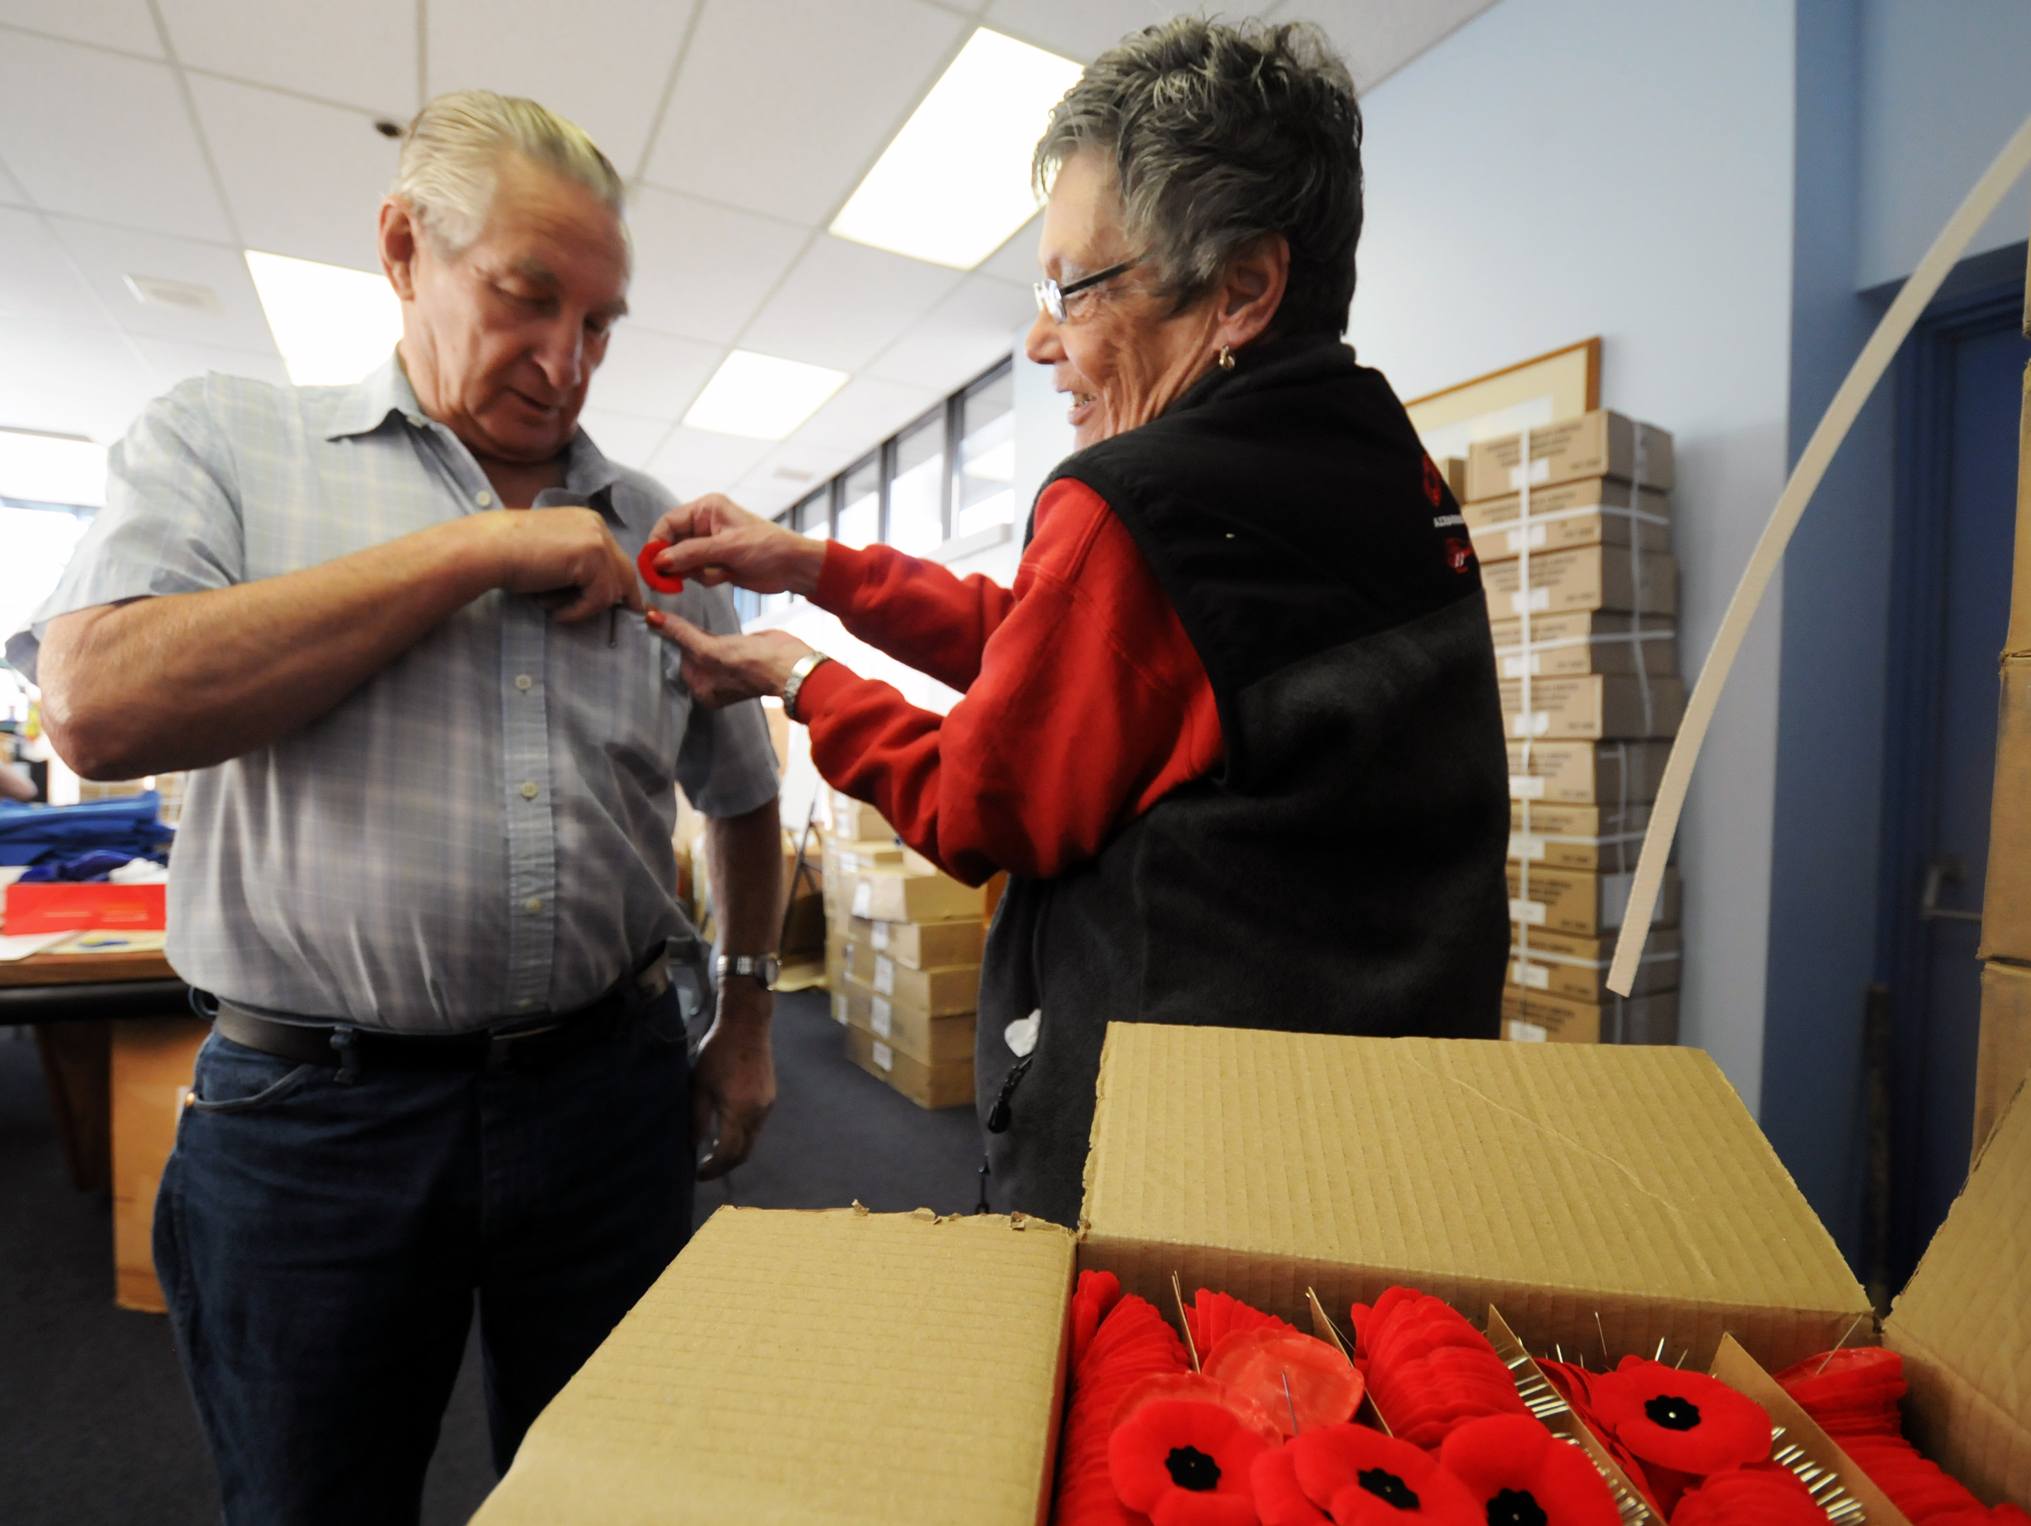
(845, 1366)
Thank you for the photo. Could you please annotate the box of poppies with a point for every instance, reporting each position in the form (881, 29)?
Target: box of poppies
(1329, 1280)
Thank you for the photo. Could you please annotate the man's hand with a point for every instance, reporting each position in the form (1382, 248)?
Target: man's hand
(565, 552)
(723, 670)
(733, 1083)
(715, 540)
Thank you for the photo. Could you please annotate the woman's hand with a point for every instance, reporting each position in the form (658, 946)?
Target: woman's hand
(724, 670)
(715, 540)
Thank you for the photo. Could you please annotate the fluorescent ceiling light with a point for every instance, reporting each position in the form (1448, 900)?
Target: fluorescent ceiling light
(760, 396)
(955, 183)
(52, 468)
(332, 324)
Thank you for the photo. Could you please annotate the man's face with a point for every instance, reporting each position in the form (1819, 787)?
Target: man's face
(501, 339)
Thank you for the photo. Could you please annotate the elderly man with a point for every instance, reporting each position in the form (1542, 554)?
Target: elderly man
(424, 871)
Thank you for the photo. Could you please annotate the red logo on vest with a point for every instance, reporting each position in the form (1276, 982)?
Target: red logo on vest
(1435, 485)
(1459, 553)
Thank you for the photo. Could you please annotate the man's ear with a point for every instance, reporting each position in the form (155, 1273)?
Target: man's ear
(399, 237)
(1252, 289)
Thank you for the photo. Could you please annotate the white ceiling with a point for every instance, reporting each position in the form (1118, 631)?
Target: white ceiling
(161, 137)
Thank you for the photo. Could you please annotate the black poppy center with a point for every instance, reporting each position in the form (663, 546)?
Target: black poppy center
(1516, 1507)
(1672, 1412)
(1387, 1487)
(1193, 1469)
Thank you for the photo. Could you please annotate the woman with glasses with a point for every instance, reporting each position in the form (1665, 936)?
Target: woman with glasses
(1234, 732)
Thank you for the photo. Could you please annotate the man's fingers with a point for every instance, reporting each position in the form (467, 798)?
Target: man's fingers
(737, 1128)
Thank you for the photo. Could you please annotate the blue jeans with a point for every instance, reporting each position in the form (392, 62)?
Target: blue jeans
(321, 1243)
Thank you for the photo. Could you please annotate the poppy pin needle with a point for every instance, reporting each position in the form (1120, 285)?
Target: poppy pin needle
(1287, 1399)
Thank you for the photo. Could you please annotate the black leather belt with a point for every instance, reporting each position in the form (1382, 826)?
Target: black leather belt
(539, 1041)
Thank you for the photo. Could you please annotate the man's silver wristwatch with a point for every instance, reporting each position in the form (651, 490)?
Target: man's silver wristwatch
(806, 665)
(763, 969)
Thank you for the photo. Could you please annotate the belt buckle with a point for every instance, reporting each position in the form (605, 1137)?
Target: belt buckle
(501, 1042)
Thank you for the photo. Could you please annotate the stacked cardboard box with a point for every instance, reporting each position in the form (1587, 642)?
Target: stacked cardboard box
(2003, 1055)
(903, 947)
(1572, 523)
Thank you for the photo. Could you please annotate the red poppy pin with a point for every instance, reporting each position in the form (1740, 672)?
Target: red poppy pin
(1520, 1474)
(1186, 1462)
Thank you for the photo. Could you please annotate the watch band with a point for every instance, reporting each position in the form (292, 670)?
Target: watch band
(805, 666)
(763, 969)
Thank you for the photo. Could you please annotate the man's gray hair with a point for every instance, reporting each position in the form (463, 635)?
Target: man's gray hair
(452, 152)
(1218, 135)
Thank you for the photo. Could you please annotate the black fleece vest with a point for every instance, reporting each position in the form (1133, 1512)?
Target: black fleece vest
(1343, 871)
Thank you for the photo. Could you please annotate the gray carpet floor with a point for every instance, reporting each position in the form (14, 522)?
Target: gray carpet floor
(95, 1423)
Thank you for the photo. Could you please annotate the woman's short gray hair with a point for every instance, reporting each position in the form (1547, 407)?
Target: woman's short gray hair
(452, 152)
(1218, 135)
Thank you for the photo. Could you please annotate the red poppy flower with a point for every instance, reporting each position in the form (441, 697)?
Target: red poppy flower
(1279, 1499)
(1212, 1316)
(1095, 1295)
(1620, 1455)
(1520, 1474)
(1756, 1496)
(1364, 1478)
(1130, 1343)
(1683, 1421)
(1184, 1462)
(1300, 1380)
(1852, 1392)
(1202, 1388)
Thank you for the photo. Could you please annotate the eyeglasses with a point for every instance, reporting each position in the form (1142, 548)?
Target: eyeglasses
(1051, 296)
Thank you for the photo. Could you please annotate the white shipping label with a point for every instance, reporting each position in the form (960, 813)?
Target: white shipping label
(1525, 787)
(881, 1017)
(1525, 1033)
(1529, 913)
(1540, 471)
(880, 937)
(884, 1056)
(839, 1010)
(1615, 890)
(1537, 601)
(1535, 724)
(1526, 847)
(863, 899)
(1516, 667)
(1533, 539)
(1532, 977)
(885, 975)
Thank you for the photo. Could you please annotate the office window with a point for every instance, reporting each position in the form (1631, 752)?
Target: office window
(983, 495)
(860, 504)
(917, 491)
(814, 515)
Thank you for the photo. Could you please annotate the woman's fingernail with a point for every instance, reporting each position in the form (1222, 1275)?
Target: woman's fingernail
(654, 617)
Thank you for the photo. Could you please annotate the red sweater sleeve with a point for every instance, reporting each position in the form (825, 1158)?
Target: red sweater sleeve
(916, 611)
(1090, 704)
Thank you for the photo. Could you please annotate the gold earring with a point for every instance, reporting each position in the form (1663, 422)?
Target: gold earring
(1226, 358)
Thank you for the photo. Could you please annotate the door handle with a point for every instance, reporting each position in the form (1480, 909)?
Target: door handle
(1943, 869)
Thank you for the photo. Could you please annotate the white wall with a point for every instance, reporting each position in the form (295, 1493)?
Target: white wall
(1944, 84)
(1561, 168)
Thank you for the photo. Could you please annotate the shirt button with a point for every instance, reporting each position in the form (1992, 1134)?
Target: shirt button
(533, 904)
(529, 789)
(483, 499)
(524, 682)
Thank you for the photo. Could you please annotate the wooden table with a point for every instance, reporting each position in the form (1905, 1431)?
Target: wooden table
(72, 1000)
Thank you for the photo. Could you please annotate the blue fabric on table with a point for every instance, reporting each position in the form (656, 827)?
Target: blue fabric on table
(129, 825)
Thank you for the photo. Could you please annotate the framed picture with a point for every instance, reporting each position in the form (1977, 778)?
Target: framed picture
(1552, 386)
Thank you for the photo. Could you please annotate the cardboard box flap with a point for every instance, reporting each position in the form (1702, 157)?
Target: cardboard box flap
(798, 1367)
(1558, 1181)
(1963, 1324)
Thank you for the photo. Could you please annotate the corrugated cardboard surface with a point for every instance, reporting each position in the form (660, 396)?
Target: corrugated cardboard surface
(1534, 1017)
(882, 894)
(1577, 514)
(1597, 444)
(1963, 1325)
(1559, 1181)
(1587, 773)
(815, 1367)
(1590, 577)
(1587, 837)
(1594, 707)
(2003, 1055)
(929, 945)
(935, 993)
(1581, 904)
(150, 1070)
(2006, 901)
(948, 1083)
(1585, 641)
(1560, 964)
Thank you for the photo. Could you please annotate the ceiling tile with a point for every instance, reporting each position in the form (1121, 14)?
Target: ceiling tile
(10, 189)
(362, 52)
(603, 65)
(172, 362)
(695, 461)
(124, 24)
(1378, 37)
(1016, 260)
(652, 375)
(303, 179)
(127, 151)
(82, 379)
(108, 255)
(702, 269)
(37, 278)
(840, 79)
(865, 412)
(622, 437)
(970, 330)
(843, 303)
(1081, 29)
